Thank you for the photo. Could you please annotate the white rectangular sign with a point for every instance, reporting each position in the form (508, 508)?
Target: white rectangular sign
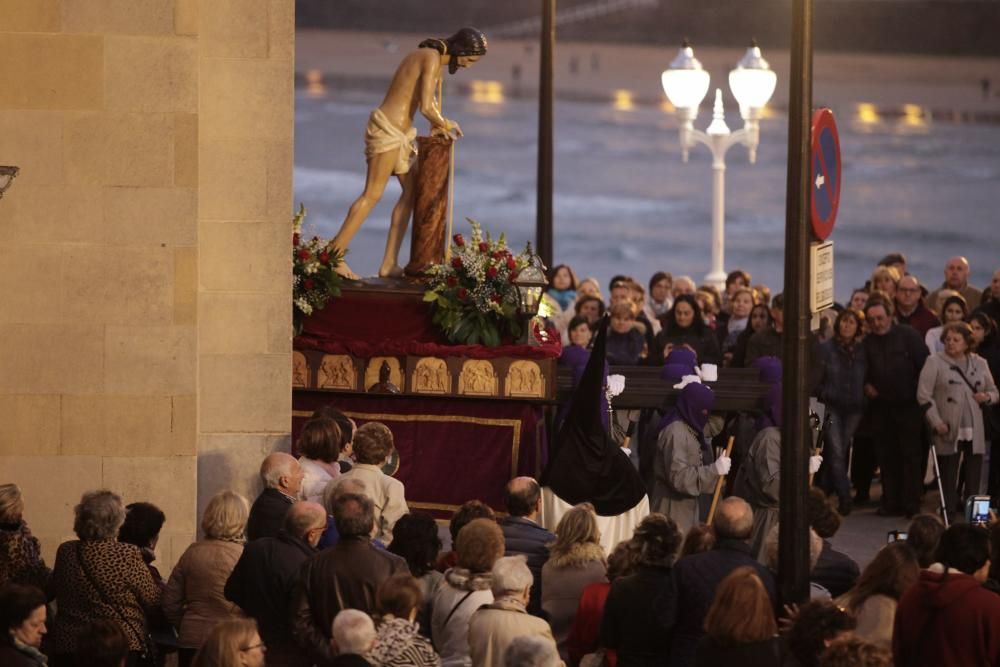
(820, 276)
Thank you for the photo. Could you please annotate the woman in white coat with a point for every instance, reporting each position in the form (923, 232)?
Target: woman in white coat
(953, 384)
(318, 447)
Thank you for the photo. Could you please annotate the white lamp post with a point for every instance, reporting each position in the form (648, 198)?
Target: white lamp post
(752, 82)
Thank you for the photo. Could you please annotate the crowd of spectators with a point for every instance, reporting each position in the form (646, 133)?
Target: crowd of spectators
(931, 599)
(899, 368)
(329, 566)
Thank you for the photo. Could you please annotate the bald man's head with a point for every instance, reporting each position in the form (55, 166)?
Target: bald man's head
(306, 521)
(523, 494)
(956, 272)
(282, 471)
(734, 519)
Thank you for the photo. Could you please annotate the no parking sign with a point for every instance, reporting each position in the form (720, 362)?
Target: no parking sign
(825, 158)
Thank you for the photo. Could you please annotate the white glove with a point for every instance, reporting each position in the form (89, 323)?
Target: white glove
(814, 463)
(722, 465)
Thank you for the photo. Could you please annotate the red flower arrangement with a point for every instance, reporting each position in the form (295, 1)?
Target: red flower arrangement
(314, 280)
(474, 296)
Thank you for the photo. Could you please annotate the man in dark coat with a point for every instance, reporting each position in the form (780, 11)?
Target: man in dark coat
(263, 581)
(345, 576)
(282, 476)
(947, 617)
(523, 536)
(697, 576)
(895, 355)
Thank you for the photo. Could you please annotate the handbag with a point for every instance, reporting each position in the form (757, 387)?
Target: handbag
(149, 656)
(991, 419)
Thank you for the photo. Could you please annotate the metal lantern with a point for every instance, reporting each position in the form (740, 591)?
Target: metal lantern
(530, 282)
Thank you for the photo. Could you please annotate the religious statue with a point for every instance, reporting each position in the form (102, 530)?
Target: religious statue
(389, 138)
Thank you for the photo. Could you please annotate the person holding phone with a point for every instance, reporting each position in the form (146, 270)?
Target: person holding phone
(953, 384)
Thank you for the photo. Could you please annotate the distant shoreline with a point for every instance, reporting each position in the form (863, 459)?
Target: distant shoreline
(932, 88)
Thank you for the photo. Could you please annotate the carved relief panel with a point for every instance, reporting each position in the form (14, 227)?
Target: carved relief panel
(430, 376)
(524, 380)
(337, 371)
(477, 378)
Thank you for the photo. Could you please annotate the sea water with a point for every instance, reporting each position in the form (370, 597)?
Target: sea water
(626, 203)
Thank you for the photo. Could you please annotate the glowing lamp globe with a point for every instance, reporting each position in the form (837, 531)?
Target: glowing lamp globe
(685, 82)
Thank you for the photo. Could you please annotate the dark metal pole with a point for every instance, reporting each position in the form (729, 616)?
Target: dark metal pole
(793, 536)
(543, 224)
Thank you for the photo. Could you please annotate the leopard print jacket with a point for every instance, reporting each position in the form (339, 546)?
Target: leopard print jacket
(21, 557)
(118, 570)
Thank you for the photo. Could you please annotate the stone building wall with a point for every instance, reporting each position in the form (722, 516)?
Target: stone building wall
(144, 267)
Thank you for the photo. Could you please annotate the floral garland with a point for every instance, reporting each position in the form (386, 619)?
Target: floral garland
(474, 296)
(314, 279)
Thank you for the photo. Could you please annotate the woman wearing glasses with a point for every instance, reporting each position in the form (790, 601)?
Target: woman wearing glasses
(234, 643)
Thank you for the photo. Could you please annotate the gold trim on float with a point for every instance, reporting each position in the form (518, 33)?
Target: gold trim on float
(514, 424)
(447, 507)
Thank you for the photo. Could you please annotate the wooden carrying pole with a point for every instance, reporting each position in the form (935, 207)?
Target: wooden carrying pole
(719, 483)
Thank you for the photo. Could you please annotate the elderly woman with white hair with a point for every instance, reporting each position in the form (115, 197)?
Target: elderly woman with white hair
(195, 599)
(97, 577)
(352, 638)
(494, 626)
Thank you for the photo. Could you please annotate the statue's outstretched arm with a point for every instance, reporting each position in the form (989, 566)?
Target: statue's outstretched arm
(429, 107)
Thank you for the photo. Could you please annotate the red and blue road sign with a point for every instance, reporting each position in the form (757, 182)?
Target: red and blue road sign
(825, 157)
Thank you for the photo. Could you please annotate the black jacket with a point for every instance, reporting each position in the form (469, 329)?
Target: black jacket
(895, 360)
(696, 577)
(263, 584)
(835, 571)
(524, 537)
(267, 515)
(704, 344)
(638, 616)
(843, 381)
(345, 576)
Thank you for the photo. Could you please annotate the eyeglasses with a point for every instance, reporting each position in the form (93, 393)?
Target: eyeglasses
(261, 646)
(908, 290)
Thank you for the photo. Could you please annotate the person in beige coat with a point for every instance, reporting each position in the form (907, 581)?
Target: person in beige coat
(576, 560)
(953, 385)
(194, 600)
(875, 596)
(372, 446)
(494, 626)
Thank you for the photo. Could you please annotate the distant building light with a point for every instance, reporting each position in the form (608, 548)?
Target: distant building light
(623, 100)
(868, 114)
(487, 92)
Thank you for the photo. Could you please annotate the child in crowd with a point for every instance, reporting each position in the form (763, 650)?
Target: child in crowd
(373, 444)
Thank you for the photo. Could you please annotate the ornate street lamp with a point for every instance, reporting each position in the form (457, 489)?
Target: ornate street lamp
(685, 83)
(530, 282)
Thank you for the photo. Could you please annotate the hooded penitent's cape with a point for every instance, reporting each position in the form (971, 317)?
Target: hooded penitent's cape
(585, 464)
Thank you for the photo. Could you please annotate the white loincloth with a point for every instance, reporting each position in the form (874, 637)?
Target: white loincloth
(381, 136)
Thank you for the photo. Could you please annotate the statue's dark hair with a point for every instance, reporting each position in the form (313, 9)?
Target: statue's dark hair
(466, 42)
